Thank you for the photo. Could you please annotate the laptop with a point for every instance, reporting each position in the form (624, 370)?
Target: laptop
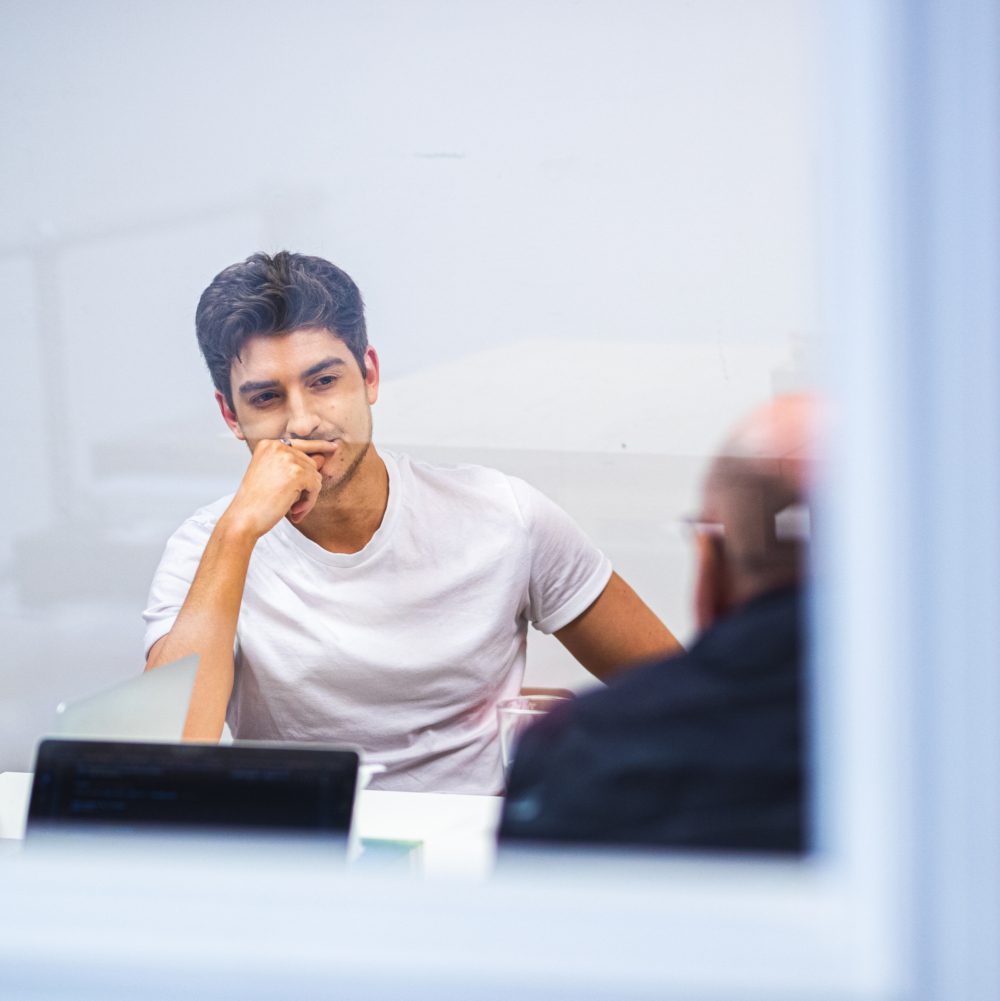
(149, 706)
(125, 788)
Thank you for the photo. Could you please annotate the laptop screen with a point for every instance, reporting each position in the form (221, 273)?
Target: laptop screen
(262, 789)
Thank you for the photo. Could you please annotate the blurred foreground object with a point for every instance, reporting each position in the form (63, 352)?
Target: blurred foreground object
(704, 750)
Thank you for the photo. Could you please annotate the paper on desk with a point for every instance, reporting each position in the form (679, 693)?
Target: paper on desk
(15, 791)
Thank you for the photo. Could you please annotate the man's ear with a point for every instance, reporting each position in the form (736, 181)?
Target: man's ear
(228, 416)
(371, 374)
(711, 594)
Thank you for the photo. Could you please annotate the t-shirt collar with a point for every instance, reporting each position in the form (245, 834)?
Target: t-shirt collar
(286, 533)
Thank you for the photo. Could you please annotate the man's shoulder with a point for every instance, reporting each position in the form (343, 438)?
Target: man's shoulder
(483, 493)
(199, 524)
(458, 480)
(472, 473)
(751, 656)
(212, 512)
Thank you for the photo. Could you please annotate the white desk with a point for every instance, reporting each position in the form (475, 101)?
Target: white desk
(456, 834)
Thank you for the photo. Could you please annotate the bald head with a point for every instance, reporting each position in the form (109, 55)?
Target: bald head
(756, 489)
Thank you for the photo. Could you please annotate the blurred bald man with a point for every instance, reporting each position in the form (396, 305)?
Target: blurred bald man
(703, 750)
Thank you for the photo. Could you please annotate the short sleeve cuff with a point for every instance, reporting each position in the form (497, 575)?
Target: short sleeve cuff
(584, 597)
(156, 631)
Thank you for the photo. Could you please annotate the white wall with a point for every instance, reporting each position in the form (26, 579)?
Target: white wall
(586, 233)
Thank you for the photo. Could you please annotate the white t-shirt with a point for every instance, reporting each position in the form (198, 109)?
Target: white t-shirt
(404, 648)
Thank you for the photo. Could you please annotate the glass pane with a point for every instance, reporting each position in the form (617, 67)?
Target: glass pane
(587, 239)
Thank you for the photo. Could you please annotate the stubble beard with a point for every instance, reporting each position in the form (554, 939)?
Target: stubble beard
(334, 485)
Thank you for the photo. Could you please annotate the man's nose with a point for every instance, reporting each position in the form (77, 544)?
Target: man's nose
(302, 420)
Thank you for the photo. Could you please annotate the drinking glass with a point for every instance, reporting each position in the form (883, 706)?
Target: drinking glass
(516, 715)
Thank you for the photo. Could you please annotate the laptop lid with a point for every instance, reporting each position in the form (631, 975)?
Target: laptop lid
(257, 789)
(149, 706)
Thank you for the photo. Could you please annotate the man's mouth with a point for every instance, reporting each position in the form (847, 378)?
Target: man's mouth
(320, 456)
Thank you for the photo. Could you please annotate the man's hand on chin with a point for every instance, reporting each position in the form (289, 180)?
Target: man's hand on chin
(283, 478)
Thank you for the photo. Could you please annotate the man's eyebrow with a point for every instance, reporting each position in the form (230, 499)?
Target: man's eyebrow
(331, 362)
(252, 387)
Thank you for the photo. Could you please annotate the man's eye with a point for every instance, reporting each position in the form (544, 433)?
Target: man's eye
(262, 399)
(324, 380)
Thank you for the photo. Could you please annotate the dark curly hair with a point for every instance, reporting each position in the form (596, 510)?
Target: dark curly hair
(275, 295)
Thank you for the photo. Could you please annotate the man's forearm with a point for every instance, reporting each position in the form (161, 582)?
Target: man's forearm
(206, 625)
(281, 479)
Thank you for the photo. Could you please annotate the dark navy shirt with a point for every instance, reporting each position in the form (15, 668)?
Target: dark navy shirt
(701, 750)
